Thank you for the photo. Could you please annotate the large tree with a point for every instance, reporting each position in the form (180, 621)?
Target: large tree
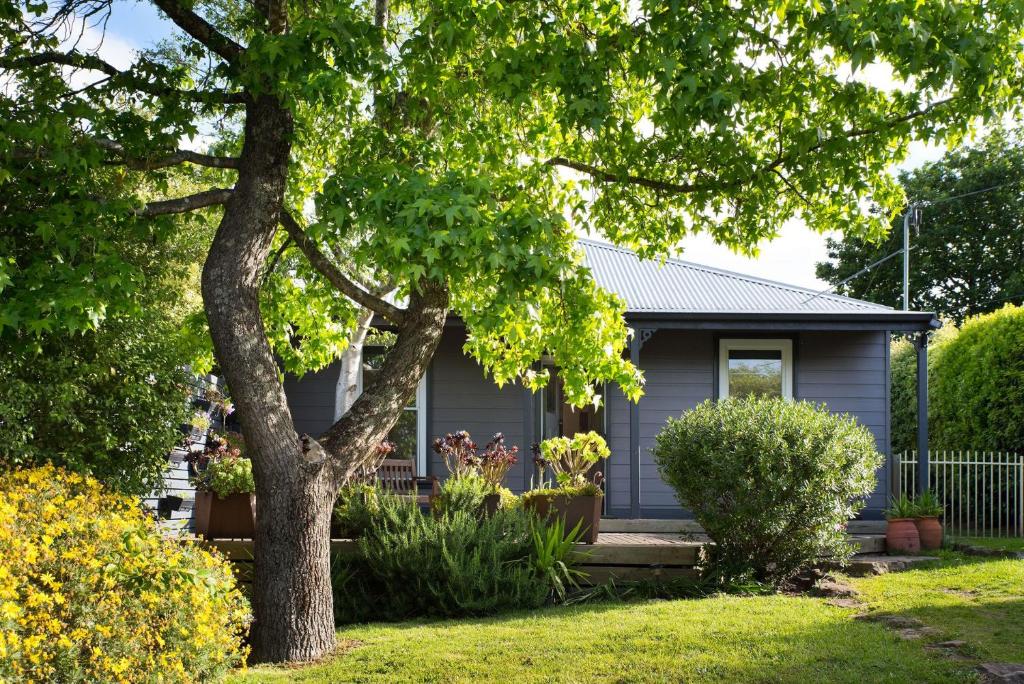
(447, 150)
(967, 253)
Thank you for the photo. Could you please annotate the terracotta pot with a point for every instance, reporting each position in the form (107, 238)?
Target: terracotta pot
(573, 510)
(901, 536)
(491, 504)
(231, 517)
(929, 529)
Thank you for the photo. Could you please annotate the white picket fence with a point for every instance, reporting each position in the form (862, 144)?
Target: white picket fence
(982, 492)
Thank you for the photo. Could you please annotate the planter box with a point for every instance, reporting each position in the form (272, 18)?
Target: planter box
(491, 504)
(573, 510)
(233, 517)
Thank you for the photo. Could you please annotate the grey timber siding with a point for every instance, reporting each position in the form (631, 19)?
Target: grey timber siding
(460, 397)
(848, 372)
(678, 370)
(311, 399)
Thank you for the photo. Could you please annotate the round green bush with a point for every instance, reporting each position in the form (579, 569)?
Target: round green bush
(772, 482)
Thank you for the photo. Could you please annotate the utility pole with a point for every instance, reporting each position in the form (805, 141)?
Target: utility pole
(913, 214)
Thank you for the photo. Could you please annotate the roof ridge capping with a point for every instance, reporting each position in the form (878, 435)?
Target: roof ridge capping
(682, 263)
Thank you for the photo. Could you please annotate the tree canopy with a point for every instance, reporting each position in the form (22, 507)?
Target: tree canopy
(433, 144)
(967, 254)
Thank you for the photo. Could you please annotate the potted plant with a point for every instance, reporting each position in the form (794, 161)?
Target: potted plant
(474, 479)
(494, 464)
(901, 534)
(225, 492)
(927, 509)
(576, 498)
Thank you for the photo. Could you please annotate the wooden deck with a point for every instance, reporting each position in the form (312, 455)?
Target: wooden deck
(624, 556)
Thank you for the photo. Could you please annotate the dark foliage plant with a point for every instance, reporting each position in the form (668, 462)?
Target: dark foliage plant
(772, 482)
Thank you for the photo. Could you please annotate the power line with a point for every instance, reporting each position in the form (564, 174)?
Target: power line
(911, 206)
(858, 273)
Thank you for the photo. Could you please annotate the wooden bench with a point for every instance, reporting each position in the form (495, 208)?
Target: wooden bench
(398, 475)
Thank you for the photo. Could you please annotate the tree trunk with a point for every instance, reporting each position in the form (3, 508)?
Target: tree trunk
(291, 592)
(296, 478)
(347, 390)
(352, 440)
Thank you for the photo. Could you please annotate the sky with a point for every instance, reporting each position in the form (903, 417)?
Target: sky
(789, 258)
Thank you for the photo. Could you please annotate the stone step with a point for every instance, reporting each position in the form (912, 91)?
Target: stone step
(871, 564)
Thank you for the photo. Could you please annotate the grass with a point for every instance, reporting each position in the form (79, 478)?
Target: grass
(996, 543)
(718, 639)
(775, 638)
(977, 600)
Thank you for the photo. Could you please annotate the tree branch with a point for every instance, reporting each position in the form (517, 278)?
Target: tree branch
(333, 274)
(606, 176)
(200, 29)
(609, 177)
(174, 159)
(180, 205)
(79, 60)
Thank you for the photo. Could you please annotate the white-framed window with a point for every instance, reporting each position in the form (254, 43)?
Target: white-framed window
(410, 432)
(755, 367)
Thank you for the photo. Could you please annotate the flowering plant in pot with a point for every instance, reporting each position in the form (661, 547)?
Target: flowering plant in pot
(927, 509)
(475, 478)
(901, 535)
(494, 463)
(577, 495)
(225, 491)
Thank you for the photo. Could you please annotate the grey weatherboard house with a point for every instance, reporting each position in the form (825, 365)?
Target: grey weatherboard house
(699, 333)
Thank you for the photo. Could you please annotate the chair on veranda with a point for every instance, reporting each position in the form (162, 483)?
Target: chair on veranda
(398, 475)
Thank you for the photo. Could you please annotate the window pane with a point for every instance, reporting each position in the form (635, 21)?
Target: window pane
(404, 435)
(755, 372)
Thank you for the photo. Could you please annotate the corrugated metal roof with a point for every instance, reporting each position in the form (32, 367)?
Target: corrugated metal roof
(681, 286)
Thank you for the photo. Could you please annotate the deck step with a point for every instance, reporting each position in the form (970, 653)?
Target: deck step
(677, 526)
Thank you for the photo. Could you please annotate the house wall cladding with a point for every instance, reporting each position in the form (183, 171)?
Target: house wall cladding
(460, 397)
(845, 370)
(311, 399)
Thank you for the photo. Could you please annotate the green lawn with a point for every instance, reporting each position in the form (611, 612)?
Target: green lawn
(721, 639)
(997, 543)
(977, 600)
(717, 639)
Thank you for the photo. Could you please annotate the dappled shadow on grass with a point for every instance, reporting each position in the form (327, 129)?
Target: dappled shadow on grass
(972, 599)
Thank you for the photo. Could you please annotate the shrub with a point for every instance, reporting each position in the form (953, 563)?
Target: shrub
(106, 403)
(977, 384)
(772, 482)
(462, 494)
(354, 509)
(457, 564)
(91, 591)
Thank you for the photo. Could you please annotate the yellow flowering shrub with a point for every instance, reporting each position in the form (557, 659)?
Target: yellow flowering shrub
(90, 591)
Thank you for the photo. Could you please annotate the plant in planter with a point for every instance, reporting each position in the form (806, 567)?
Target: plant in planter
(494, 464)
(458, 451)
(901, 535)
(577, 497)
(927, 509)
(225, 492)
(475, 479)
